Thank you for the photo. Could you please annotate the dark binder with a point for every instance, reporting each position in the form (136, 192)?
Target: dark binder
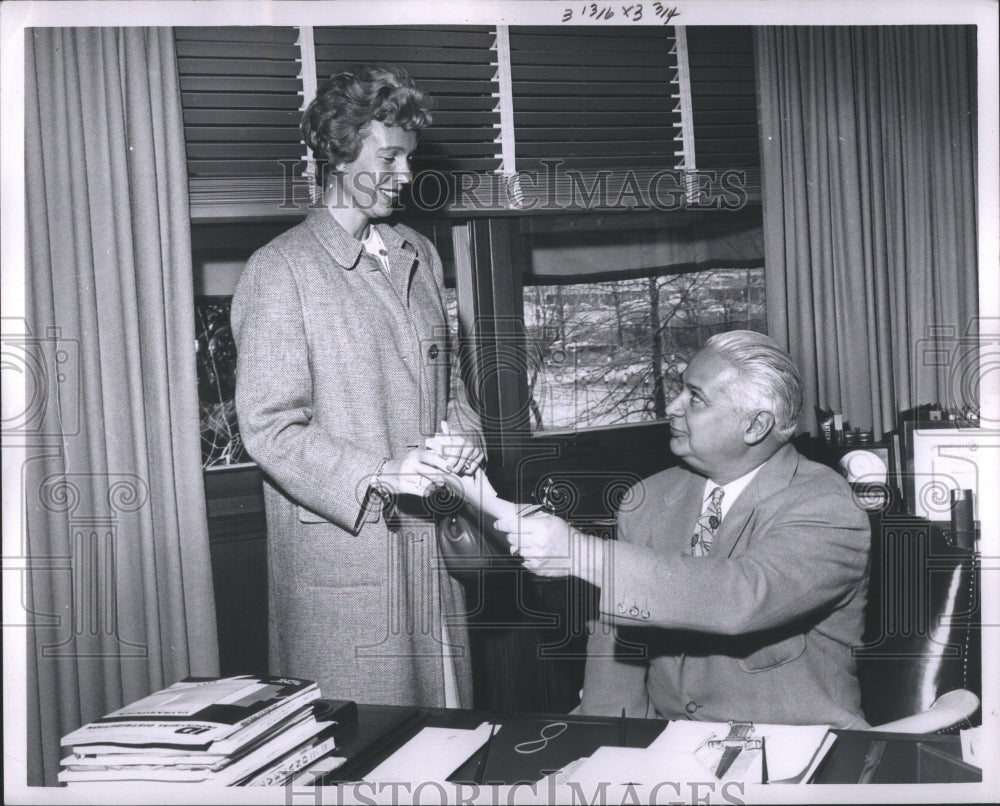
(526, 749)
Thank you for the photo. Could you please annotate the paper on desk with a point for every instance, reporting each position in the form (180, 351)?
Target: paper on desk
(791, 750)
(639, 766)
(972, 739)
(432, 755)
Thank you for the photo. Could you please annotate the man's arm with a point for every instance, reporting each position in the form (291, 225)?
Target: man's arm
(810, 551)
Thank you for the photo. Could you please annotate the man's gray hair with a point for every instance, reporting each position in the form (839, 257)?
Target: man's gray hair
(767, 377)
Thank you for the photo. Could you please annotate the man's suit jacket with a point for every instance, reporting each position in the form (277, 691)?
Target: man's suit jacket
(761, 629)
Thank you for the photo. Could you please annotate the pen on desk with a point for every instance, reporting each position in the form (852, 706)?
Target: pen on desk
(485, 757)
(621, 731)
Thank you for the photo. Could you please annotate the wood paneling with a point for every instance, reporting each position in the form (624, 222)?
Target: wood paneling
(238, 540)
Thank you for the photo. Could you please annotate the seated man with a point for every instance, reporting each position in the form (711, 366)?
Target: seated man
(737, 585)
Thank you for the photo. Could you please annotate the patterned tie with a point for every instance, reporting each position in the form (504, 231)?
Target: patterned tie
(708, 524)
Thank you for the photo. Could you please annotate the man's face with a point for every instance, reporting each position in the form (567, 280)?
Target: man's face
(706, 427)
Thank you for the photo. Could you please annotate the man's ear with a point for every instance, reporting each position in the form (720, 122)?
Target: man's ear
(758, 426)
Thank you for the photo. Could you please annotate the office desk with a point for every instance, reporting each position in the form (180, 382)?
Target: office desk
(381, 730)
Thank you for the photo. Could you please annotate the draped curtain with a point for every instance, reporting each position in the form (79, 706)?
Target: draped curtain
(119, 589)
(869, 185)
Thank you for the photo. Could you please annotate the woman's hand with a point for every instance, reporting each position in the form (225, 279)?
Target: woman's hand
(416, 473)
(462, 456)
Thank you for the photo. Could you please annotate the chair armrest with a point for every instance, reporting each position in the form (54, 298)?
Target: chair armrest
(947, 710)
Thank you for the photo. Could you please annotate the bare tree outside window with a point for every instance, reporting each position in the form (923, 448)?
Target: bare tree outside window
(612, 353)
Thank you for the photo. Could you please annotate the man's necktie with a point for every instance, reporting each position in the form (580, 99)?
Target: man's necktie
(708, 524)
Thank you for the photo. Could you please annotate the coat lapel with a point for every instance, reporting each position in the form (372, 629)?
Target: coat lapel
(775, 475)
(409, 275)
(683, 501)
(402, 261)
(348, 253)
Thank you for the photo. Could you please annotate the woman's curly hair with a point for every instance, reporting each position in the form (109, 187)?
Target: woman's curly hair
(335, 123)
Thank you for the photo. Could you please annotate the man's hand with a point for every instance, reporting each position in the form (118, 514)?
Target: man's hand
(543, 541)
(550, 547)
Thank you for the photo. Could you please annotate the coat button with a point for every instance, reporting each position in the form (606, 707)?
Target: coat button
(433, 351)
(691, 707)
(634, 611)
(621, 608)
(644, 614)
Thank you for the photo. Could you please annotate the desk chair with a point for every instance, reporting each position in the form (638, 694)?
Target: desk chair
(920, 662)
(950, 710)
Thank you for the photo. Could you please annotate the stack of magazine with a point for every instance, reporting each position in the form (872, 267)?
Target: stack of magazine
(244, 730)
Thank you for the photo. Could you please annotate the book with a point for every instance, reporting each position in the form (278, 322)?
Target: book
(315, 773)
(231, 772)
(219, 754)
(299, 759)
(196, 713)
(227, 731)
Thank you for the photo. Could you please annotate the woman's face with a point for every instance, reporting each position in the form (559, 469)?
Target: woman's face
(371, 183)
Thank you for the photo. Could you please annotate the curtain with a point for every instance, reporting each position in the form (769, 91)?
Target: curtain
(120, 587)
(869, 162)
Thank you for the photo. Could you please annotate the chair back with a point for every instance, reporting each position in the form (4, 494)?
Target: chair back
(922, 632)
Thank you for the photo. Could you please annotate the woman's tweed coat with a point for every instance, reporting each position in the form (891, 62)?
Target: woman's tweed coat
(339, 367)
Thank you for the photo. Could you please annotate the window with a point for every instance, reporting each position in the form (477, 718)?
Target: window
(611, 353)
(614, 306)
(594, 98)
(221, 444)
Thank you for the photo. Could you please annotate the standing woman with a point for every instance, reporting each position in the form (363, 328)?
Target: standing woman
(343, 375)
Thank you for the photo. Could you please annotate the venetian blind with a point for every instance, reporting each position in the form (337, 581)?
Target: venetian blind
(596, 113)
(601, 103)
(455, 64)
(724, 101)
(594, 98)
(241, 95)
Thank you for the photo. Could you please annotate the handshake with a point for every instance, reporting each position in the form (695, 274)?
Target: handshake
(545, 543)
